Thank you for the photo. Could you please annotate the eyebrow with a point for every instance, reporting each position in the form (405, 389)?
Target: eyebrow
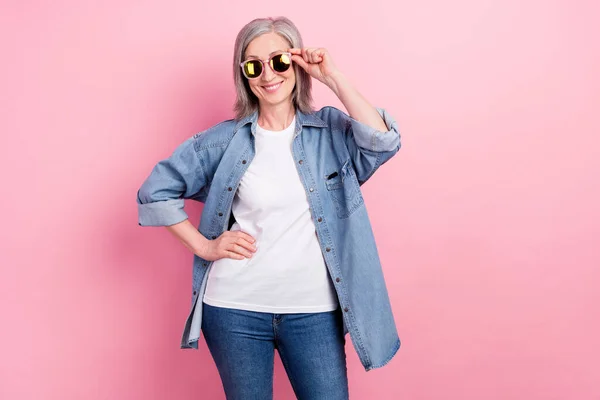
(271, 53)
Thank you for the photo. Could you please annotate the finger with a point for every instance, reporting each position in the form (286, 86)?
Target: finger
(295, 50)
(235, 248)
(243, 235)
(309, 53)
(300, 61)
(320, 53)
(233, 255)
(304, 55)
(316, 57)
(245, 244)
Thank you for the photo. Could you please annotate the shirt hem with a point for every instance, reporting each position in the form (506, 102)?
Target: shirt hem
(270, 309)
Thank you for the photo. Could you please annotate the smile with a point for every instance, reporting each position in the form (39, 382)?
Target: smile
(272, 88)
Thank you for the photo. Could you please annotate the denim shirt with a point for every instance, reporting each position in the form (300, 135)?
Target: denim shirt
(334, 155)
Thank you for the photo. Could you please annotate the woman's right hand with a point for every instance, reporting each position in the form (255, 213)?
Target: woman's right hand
(231, 244)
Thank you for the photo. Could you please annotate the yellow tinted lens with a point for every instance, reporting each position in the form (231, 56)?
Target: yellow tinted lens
(252, 68)
(281, 62)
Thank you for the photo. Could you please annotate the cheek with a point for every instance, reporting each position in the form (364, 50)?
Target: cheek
(253, 87)
(291, 77)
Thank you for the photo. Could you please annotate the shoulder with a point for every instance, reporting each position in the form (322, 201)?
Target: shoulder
(335, 118)
(218, 135)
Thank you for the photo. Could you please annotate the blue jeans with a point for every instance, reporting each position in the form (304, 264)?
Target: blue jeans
(310, 345)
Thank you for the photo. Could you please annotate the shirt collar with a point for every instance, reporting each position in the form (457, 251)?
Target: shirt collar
(302, 119)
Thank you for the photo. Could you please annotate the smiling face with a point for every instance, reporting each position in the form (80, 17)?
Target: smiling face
(270, 88)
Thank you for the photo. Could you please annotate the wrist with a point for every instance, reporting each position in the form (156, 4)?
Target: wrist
(201, 246)
(336, 81)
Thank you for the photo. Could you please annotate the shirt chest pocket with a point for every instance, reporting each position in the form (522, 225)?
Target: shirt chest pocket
(344, 190)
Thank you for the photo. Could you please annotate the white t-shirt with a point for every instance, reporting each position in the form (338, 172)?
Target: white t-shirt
(287, 273)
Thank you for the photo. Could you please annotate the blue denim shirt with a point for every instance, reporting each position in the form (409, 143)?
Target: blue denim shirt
(334, 156)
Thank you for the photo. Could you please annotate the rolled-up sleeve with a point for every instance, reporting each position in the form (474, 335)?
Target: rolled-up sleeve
(160, 199)
(371, 139)
(368, 147)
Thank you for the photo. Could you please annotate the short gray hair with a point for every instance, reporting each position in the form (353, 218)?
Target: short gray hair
(246, 102)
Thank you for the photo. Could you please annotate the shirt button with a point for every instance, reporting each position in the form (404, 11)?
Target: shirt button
(194, 292)
(230, 188)
(243, 161)
(214, 237)
(205, 264)
(220, 214)
(328, 249)
(320, 219)
(337, 279)
(300, 162)
(312, 189)
(346, 309)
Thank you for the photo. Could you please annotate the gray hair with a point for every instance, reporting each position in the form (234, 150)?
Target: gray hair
(246, 102)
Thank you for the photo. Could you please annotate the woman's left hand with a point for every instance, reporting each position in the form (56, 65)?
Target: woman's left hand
(317, 62)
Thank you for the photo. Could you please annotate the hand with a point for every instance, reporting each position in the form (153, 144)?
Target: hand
(317, 62)
(231, 244)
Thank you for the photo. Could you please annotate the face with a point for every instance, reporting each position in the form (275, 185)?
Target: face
(270, 88)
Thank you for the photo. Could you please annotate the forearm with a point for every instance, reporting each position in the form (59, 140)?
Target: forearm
(357, 106)
(190, 237)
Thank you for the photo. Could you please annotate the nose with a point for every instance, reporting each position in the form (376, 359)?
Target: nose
(268, 73)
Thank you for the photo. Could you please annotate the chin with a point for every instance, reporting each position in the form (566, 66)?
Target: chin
(279, 98)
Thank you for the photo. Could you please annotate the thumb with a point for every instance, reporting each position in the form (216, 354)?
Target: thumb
(300, 61)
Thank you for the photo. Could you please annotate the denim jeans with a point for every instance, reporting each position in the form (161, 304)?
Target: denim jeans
(310, 345)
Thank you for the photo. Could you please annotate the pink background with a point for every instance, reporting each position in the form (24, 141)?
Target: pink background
(488, 220)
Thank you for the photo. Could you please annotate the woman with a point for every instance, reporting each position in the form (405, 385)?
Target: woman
(284, 257)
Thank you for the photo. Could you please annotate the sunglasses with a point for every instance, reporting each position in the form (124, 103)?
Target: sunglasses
(279, 63)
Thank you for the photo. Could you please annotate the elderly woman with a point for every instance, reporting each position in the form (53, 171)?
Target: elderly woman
(284, 257)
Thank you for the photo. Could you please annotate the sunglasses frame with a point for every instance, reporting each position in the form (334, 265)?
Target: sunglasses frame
(263, 64)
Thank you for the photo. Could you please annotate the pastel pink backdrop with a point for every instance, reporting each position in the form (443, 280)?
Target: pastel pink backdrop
(488, 220)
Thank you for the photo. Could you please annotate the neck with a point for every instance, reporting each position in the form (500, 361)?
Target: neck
(276, 117)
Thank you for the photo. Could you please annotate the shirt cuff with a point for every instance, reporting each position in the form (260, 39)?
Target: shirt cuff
(371, 139)
(161, 213)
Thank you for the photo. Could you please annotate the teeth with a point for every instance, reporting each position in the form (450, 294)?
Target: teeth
(272, 87)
